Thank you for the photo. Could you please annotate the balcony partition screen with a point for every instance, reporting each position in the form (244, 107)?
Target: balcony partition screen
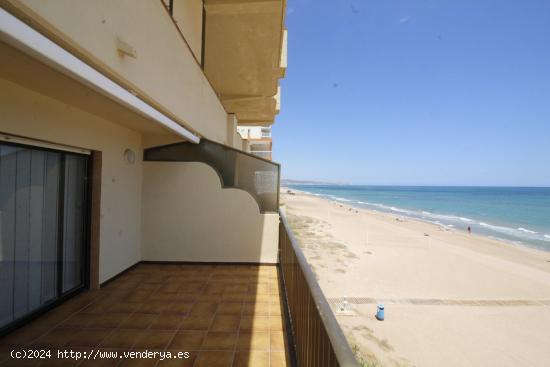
(42, 228)
(257, 176)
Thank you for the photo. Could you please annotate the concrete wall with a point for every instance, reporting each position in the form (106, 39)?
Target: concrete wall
(188, 16)
(164, 71)
(149, 210)
(234, 139)
(237, 141)
(26, 113)
(187, 216)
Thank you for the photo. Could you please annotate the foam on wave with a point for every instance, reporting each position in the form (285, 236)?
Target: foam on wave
(449, 220)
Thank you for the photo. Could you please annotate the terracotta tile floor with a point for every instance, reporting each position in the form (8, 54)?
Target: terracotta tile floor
(223, 315)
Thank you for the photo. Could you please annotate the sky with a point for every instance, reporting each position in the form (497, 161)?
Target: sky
(429, 92)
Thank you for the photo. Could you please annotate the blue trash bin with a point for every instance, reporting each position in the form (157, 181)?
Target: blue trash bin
(380, 312)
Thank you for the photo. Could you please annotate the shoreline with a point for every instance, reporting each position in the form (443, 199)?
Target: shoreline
(452, 298)
(502, 241)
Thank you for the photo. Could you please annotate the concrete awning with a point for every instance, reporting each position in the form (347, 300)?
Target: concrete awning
(30, 59)
(245, 55)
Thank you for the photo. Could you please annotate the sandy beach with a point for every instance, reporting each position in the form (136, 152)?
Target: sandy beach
(451, 298)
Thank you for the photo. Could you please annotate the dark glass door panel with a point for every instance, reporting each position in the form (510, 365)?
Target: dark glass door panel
(74, 225)
(43, 208)
(8, 162)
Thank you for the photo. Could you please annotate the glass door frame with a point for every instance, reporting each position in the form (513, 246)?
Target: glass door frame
(85, 284)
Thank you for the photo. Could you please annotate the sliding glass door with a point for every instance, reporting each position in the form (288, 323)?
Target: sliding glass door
(43, 228)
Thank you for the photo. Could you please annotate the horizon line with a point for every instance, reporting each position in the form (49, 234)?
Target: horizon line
(311, 182)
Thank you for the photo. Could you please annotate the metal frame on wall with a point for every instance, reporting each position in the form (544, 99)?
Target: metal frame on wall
(236, 169)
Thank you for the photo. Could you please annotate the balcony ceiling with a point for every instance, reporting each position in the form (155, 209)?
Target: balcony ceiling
(242, 56)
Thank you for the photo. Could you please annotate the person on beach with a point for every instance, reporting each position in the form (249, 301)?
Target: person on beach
(469, 229)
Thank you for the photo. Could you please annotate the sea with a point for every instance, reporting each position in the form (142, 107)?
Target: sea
(520, 215)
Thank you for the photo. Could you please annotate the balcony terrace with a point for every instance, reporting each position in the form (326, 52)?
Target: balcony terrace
(223, 315)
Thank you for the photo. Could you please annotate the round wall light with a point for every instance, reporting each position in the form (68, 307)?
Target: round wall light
(130, 156)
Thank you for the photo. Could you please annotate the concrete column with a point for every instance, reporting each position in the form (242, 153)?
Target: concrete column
(231, 129)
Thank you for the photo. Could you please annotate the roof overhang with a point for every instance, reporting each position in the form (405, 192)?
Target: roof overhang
(30, 42)
(245, 56)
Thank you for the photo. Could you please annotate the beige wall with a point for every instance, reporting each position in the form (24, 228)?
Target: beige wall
(187, 216)
(26, 113)
(188, 17)
(149, 210)
(164, 70)
(237, 141)
(246, 145)
(233, 137)
(231, 129)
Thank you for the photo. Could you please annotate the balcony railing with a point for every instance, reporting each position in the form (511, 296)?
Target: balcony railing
(265, 154)
(318, 339)
(236, 169)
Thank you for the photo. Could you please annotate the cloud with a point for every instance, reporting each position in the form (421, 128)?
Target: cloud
(404, 19)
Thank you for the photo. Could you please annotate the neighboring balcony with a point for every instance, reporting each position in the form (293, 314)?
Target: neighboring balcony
(258, 140)
(261, 148)
(265, 154)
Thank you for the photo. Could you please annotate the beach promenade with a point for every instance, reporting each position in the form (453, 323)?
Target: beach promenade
(451, 298)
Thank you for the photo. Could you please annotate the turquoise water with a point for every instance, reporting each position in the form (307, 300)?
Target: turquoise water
(517, 214)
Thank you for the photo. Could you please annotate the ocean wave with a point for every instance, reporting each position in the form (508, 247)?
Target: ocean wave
(452, 220)
(498, 228)
(399, 210)
(449, 220)
(505, 240)
(520, 232)
(390, 208)
(420, 214)
(342, 199)
(448, 217)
